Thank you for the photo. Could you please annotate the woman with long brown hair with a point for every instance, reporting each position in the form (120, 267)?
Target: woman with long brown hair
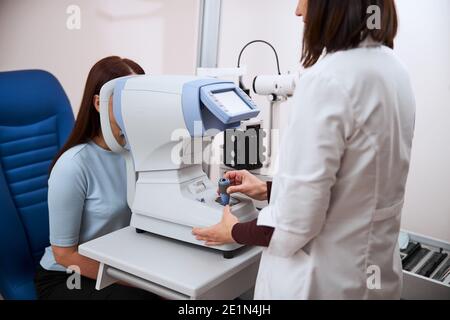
(86, 196)
(332, 225)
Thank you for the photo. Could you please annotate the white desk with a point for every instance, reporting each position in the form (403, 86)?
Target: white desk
(169, 268)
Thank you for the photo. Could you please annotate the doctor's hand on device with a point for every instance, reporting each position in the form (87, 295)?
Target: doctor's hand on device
(244, 182)
(221, 233)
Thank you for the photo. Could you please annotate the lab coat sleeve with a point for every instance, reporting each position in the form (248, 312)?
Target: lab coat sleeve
(310, 155)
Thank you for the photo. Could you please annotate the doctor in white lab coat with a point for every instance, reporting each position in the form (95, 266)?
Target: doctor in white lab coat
(337, 197)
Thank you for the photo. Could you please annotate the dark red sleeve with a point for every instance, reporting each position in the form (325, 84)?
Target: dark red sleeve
(249, 233)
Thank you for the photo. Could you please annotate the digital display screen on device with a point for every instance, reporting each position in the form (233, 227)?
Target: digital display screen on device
(232, 102)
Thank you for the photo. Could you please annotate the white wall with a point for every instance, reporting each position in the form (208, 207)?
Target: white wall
(423, 44)
(161, 35)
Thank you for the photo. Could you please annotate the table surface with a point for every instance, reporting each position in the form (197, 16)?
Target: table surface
(179, 266)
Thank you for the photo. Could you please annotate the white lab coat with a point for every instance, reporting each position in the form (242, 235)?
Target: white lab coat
(338, 194)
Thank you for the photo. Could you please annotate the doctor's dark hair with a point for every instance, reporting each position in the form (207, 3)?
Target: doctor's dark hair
(87, 124)
(332, 26)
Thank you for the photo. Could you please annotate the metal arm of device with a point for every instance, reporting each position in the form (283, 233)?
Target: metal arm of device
(275, 103)
(278, 88)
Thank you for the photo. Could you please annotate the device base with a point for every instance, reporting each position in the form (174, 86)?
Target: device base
(226, 254)
(178, 232)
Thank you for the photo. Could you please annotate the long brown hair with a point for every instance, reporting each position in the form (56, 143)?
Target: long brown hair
(87, 124)
(334, 25)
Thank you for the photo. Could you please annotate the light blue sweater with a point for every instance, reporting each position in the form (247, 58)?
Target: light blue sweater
(87, 198)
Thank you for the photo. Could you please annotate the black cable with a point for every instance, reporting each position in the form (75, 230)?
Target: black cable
(259, 41)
